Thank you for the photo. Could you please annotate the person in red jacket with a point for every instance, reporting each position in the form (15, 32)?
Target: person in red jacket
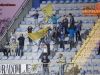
(99, 49)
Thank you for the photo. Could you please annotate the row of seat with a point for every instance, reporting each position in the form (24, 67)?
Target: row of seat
(69, 1)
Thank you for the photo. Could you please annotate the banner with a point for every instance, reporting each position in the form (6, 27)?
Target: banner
(47, 10)
(39, 34)
(18, 68)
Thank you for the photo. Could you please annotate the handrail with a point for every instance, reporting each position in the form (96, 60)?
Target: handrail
(14, 17)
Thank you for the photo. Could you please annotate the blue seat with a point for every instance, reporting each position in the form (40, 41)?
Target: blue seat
(10, 58)
(48, 2)
(92, 1)
(98, 0)
(80, 8)
(38, 8)
(55, 57)
(55, 2)
(73, 1)
(69, 8)
(86, 1)
(76, 8)
(92, 21)
(17, 58)
(32, 9)
(23, 22)
(57, 8)
(93, 64)
(87, 64)
(27, 16)
(61, 2)
(97, 57)
(18, 29)
(29, 57)
(77, 15)
(40, 16)
(79, 43)
(60, 50)
(85, 21)
(67, 50)
(88, 72)
(43, 2)
(28, 22)
(69, 57)
(80, 1)
(67, 1)
(35, 50)
(63, 8)
(4, 58)
(96, 72)
(91, 56)
(24, 29)
(29, 50)
(23, 58)
(73, 50)
(49, 57)
(82, 71)
(36, 58)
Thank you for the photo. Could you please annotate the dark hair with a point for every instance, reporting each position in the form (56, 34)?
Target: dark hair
(54, 15)
(70, 14)
(64, 15)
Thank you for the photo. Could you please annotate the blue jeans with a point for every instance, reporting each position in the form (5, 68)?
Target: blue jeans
(20, 50)
(45, 71)
(61, 70)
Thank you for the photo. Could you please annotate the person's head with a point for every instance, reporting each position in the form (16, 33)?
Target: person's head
(44, 56)
(21, 35)
(77, 23)
(54, 28)
(61, 32)
(64, 16)
(40, 26)
(37, 11)
(13, 30)
(60, 55)
(70, 14)
(59, 23)
(54, 16)
(7, 42)
(14, 41)
(47, 32)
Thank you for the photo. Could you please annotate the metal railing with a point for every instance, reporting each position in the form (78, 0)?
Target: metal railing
(14, 18)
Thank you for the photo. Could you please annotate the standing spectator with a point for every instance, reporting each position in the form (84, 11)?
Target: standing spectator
(14, 48)
(60, 27)
(71, 20)
(36, 18)
(47, 40)
(65, 24)
(99, 48)
(7, 48)
(62, 62)
(30, 31)
(55, 36)
(71, 36)
(62, 37)
(21, 45)
(13, 35)
(54, 20)
(78, 29)
(45, 65)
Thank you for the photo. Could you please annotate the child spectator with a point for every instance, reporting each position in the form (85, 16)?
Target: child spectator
(60, 27)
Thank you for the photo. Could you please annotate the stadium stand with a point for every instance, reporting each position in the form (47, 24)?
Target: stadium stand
(84, 54)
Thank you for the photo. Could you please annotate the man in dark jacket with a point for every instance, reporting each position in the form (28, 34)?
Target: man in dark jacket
(30, 31)
(71, 20)
(21, 44)
(65, 23)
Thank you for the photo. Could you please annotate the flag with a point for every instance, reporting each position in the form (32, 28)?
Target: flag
(39, 34)
(47, 10)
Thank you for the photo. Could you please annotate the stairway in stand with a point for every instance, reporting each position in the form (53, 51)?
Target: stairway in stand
(85, 50)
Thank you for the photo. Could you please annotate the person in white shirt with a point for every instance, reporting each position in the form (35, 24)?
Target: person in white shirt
(13, 35)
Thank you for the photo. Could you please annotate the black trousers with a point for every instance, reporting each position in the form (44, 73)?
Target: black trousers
(61, 44)
(5, 52)
(48, 48)
(78, 36)
(30, 40)
(99, 51)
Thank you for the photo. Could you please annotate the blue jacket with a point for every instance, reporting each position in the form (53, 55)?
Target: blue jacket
(71, 33)
(60, 27)
(54, 20)
(35, 16)
(62, 36)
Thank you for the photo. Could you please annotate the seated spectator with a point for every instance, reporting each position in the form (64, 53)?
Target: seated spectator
(30, 31)
(14, 48)
(71, 36)
(78, 29)
(55, 36)
(2, 50)
(13, 35)
(60, 27)
(62, 38)
(54, 20)
(7, 48)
